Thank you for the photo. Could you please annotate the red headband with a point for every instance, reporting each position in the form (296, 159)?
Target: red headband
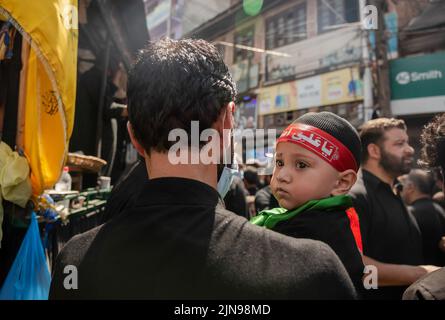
(322, 144)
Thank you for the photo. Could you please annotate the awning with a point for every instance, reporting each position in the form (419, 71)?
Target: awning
(432, 17)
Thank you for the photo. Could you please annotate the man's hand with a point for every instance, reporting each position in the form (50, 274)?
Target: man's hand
(429, 268)
(397, 274)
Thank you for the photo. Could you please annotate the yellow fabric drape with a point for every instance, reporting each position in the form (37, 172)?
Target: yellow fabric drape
(15, 185)
(50, 26)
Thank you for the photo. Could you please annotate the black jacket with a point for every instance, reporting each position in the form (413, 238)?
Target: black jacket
(431, 220)
(264, 199)
(179, 242)
(126, 192)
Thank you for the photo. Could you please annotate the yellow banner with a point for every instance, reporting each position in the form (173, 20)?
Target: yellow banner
(51, 28)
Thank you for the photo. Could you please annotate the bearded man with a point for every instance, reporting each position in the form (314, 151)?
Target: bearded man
(392, 243)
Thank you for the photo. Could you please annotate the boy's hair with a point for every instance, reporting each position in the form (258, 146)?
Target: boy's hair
(173, 83)
(433, 141)
(337, 127)
(373, 132)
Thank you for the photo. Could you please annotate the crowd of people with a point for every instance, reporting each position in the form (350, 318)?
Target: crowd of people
(339, 200)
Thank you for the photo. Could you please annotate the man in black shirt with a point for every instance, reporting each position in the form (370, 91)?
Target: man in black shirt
(178, 241)
(264, 199)
(430, 216)
(431, 286)
(391, 238)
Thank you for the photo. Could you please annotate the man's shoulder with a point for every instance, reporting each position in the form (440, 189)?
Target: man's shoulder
(72, 255)
(75, 249)
(426, 206)
(230, 224)
(439, 209)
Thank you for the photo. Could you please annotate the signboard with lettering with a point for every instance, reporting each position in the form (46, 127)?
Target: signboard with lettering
(331, 88)
(418, 84)
(309, 92)
(315, 55)
(278, 98)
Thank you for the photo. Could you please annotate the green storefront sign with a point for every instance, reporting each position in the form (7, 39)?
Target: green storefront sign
(418, 84)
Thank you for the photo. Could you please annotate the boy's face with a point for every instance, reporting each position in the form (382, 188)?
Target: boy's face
(300, 175)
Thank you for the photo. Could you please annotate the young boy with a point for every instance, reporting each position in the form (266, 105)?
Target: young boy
(317, 159)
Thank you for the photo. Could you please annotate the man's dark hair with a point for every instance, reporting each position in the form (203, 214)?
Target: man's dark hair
(373, 131)
(173, 83)
(433, 141)
(422, 180)
(251, 175)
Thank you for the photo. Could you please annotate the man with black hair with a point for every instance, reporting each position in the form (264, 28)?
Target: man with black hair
(430, 216)
(264, 199)
(431, 286)
(392, 243)
(178, 241)
(251, 180)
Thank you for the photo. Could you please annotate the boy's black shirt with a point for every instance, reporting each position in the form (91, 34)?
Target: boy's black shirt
(332, 228)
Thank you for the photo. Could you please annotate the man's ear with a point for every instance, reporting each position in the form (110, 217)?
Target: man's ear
(408, 187)
(135, 143)
(226, 118)
(374, 151)
(346, 180)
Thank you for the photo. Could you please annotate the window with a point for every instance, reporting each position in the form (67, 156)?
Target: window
(287, 27)
(336, 12)
(245, 38)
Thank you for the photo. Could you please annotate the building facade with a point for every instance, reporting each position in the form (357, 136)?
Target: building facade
(417, 75)
(292, 57)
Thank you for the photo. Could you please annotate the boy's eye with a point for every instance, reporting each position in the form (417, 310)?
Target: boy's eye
(301, 165)
(279, 163)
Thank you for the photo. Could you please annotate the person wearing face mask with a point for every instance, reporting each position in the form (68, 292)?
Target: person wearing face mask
(392, 242)
(177, 241)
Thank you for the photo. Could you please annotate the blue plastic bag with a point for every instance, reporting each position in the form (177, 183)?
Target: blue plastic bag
(29, 277)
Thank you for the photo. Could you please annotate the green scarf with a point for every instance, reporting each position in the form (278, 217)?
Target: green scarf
(269, 218)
